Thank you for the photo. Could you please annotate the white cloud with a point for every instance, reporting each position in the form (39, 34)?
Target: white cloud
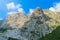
(18, 5)
(52, 9)
(55, 8)
(13, 6)
(20, 9)
(10, 13)
(58, 7)
(31, 10)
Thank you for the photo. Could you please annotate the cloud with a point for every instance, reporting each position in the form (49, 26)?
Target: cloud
(55, 8)
(13, 6)
(10, 13)
(20, 9)
(52, 9)
(18, 5)
(31, 10)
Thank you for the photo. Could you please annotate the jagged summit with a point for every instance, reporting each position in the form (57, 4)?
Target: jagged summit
(37, 12)
(38, 9)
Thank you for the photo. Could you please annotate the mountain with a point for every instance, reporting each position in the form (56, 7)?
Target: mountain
(19, 26)
(30, 27)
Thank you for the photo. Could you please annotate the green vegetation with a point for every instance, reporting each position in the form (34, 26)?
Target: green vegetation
(55, 35)
(12, 39)
(2, 30)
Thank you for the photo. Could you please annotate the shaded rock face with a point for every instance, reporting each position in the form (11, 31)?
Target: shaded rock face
(32, 28)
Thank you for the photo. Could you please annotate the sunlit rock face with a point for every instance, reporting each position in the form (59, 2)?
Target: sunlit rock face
(15, 20)
(55, 17)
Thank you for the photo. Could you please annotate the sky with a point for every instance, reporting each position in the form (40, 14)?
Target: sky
(26, 6)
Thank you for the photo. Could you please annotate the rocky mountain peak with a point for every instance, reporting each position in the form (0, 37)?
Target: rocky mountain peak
(38, 9)
(38, 12)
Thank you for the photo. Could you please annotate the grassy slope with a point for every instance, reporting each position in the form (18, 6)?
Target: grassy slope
(55, 35)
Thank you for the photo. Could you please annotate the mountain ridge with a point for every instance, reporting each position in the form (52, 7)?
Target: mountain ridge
(32, 27)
